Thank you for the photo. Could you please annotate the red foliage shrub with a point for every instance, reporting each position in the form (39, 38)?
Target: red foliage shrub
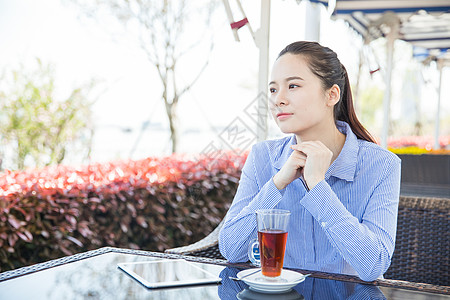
(151, 204)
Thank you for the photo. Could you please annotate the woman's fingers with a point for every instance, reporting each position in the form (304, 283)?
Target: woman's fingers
(310, 159)
(298, 157)
(311, 147)
(291, 170)
(317, 161)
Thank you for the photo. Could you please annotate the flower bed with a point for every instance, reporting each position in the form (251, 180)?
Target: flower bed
(413, 150)
(151, 204)
(419, 145)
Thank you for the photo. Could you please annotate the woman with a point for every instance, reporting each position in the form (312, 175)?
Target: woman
(341, 188)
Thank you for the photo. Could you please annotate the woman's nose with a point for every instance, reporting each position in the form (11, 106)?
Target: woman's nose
(280, 99)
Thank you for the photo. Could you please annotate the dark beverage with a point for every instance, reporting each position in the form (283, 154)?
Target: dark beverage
(272, 244)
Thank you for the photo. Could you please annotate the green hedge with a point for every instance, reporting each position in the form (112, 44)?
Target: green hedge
(151, 204)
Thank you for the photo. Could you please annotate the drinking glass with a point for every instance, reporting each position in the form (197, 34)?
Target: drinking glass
(272, 235)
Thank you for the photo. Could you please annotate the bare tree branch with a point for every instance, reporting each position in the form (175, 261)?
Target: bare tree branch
(162, 25)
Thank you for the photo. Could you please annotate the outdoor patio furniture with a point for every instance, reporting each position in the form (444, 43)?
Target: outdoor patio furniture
(96, 273)
(422, 245)
(206, 247)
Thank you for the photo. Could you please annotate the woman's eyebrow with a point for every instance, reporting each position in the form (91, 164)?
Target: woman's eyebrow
(288, 79)
(294, 78)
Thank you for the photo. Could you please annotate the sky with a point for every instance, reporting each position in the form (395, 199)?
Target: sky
(82, 49)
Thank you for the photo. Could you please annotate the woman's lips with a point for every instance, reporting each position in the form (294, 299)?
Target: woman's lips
(283, 116)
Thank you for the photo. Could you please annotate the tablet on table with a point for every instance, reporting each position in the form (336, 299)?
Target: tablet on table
(168, 273)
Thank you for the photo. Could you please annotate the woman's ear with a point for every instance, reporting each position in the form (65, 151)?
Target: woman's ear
(334, 93)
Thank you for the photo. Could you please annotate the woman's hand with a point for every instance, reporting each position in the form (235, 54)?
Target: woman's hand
(312, 159)
(318, 160)
(291, 170)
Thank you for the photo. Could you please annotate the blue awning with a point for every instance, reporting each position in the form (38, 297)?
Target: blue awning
(423, 23)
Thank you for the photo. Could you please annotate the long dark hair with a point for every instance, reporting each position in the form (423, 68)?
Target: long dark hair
(324, 63)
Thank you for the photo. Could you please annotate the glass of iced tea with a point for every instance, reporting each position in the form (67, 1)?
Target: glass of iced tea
(272, 235)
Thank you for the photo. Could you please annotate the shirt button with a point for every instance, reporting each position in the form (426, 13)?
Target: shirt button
(324, 224)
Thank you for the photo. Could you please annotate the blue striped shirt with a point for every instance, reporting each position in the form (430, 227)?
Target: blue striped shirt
(346, 224)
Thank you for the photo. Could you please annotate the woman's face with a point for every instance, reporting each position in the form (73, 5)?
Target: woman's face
(298, 101)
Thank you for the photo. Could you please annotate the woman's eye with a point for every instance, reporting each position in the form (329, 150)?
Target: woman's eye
(291, 86)
(272, 90)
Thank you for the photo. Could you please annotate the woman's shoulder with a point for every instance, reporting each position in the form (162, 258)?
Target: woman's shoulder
(270, 151)
(273, 146)
(376, 152)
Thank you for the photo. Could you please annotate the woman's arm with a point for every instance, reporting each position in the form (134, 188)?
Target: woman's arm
(367, 245)
(240, 222)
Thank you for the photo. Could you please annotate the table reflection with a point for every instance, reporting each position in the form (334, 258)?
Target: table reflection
(98, 278)
(311, 288)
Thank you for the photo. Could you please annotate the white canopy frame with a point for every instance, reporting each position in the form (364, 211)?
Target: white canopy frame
(387, 19)
(261, 38)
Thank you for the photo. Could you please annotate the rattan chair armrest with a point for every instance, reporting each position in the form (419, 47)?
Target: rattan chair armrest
(211, 240)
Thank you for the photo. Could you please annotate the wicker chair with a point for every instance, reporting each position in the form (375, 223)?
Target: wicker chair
(422, 245)
(422, 248)
(206, 247)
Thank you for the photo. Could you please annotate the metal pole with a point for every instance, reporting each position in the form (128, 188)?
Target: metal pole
(262, 42)
(243, 13)
(391, 20)
(312, 22)
(230, 18)
(387, 92)
(440, 65)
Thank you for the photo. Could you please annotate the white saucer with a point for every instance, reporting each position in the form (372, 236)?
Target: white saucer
(257, 282)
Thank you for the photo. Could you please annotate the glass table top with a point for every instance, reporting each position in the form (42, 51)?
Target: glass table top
(98, 277)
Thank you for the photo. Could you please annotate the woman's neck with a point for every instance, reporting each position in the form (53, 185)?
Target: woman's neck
(330, 136)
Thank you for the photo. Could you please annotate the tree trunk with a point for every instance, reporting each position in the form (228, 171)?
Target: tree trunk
(173, 132)
(171, 109)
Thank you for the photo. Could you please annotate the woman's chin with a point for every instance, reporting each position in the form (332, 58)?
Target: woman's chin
(286, 130)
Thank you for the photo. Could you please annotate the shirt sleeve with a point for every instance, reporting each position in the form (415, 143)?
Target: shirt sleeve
(240, 222)
(367, 245)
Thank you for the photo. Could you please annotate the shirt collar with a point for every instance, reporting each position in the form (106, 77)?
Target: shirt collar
(283, 151)
(343, 167)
